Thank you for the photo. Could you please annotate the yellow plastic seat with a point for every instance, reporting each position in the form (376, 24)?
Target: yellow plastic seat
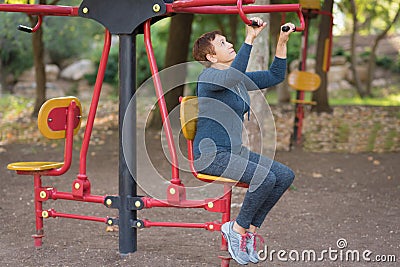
(34, 166)
(304, 81)
(52, 123)
(188, 116)
(310, 4)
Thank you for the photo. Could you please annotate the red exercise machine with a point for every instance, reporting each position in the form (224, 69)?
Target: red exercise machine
(60, 117)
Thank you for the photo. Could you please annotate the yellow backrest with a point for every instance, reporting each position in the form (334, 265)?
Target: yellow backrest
(52, 118)
(304, 81)
(310, 4)
(188, 114)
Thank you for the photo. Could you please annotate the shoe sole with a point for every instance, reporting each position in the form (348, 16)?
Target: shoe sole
(226, 236)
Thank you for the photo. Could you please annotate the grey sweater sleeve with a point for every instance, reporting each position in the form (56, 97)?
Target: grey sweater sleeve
(268, 78)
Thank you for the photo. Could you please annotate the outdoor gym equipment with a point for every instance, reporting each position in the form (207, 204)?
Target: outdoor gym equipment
(61, 117)
(310, 9)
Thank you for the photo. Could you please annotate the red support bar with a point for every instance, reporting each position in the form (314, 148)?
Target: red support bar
(161, 102)
(211, 226)
(242, 15)
(38, 24)
(54, 194)
(41, 10)
(195, 3)
(246, 9)
(37, 181)
(158, 203)
(69, 139)
(54, 214)
(94, 104)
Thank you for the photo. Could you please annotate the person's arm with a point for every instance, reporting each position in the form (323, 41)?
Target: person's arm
(277, 70)
(281, 47)
(268, 78)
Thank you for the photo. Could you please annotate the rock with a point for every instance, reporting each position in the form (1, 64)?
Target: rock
(338, 73)
(76, 71)
(27, 76)
(28, 89)
(362, 71)
(310, 66)
(52, 72)
(338, 60)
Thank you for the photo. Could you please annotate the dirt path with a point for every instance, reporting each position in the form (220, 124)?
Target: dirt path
(338, 196)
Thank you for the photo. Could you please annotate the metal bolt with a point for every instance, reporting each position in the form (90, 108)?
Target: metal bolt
(211, 227)
(85, 10)
(138, 224)
(172, 191)
(210, 205)
(137, 204)
(45, 214)
(110, 222)
(156, 8)
(108, 202)
(42, 194)
(77, 186)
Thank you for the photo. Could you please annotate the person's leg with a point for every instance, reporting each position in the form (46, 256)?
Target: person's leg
(284, 177)
(237, 167)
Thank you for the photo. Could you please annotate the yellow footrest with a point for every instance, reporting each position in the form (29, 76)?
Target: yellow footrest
(303, 102)
(34, 166)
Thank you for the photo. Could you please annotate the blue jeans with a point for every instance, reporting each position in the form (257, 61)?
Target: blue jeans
(267, 180)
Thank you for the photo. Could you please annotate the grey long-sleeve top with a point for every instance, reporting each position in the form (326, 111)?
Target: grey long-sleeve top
(224, 100)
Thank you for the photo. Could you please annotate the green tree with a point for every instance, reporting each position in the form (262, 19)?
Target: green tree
(15, 51)
(372, 18)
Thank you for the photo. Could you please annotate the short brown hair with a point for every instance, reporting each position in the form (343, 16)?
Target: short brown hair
(202, 46)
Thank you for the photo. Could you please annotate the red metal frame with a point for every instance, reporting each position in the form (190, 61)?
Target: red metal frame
(219, 9)
(300, 107)
(176, 194)
(40, 10)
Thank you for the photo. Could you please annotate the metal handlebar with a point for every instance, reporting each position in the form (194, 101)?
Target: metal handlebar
(249, 22)
(30, 29)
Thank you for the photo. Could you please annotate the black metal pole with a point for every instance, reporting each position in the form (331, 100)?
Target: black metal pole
(127, 183)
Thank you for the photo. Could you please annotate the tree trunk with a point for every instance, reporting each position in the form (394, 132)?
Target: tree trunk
(4, 88)
(40, 73)
(233, 25)
(372, 56)
(177, 52)
(321, 95)
(282, 89)
(259, 60)
(353, 65)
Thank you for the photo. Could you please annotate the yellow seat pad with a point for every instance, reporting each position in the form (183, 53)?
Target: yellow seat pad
(211, 178)
(34, 166)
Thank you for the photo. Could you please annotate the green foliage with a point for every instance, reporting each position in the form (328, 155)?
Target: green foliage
(15, 46)
(159, 38)
(340, 51)
(111, 75)
(395, 67)
(385, 62)
(67, 38)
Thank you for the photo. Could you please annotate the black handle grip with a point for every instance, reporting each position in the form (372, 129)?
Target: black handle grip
(254, 23)
(287, 28)
(25, 28)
